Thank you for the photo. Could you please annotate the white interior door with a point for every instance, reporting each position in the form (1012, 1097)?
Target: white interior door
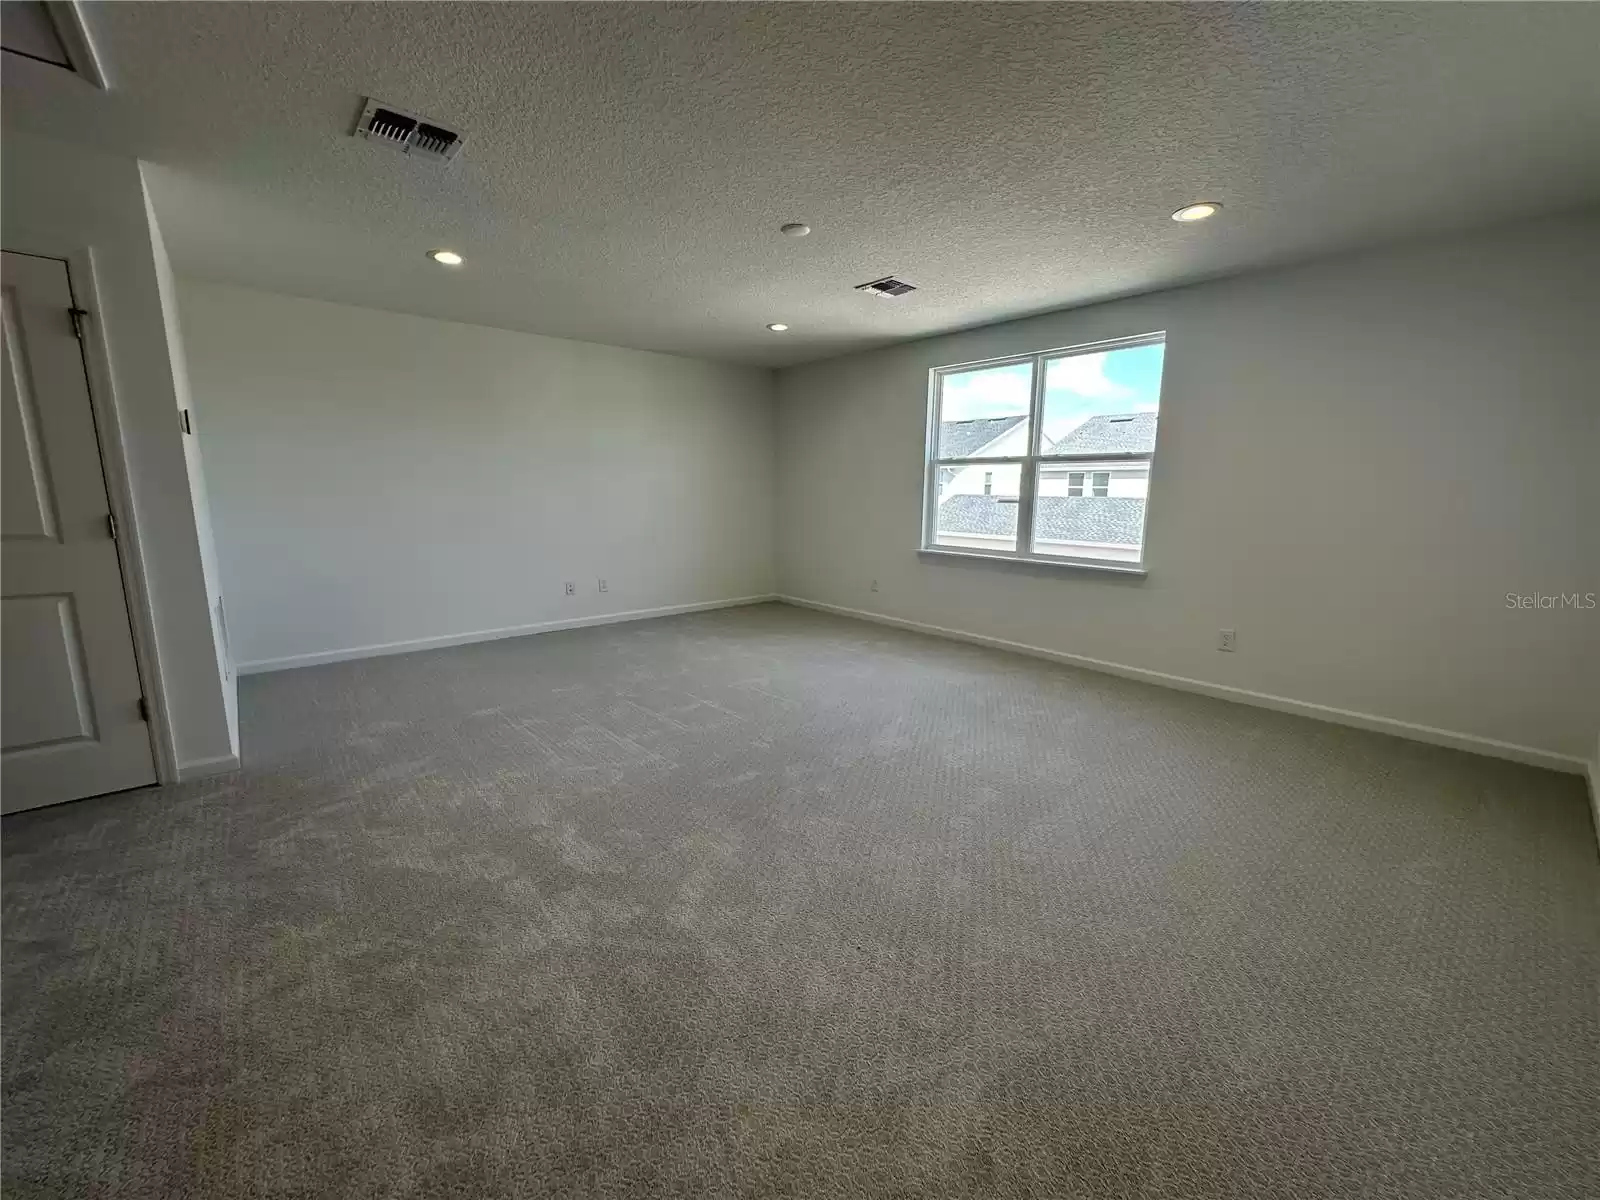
(72, 722)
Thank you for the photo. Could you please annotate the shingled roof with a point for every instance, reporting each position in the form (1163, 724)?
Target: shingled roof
(1108, 520)
(958, 439)
(1111, 433)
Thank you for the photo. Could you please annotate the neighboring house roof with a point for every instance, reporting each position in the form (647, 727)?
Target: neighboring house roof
(1113, 520)
(1111, 433)
(962, 439)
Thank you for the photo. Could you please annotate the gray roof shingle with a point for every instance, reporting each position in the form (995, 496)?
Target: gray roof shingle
(1111, 433)
(957, 439)
(1112, 520)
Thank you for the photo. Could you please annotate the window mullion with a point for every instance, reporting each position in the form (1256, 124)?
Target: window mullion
(1036, 410)
(1028, 485)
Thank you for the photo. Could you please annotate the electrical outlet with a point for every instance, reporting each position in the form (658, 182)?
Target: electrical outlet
(874, 585)
(572, 588)
(602, 585)
(1225, 639)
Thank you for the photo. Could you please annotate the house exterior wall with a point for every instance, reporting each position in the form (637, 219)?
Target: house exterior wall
(1124, 481)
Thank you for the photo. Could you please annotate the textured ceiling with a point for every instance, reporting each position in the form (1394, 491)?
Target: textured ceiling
(627, 166)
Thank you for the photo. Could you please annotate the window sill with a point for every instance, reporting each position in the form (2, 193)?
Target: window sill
(1032, 563)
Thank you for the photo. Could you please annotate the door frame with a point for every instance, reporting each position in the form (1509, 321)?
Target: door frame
(108, 425)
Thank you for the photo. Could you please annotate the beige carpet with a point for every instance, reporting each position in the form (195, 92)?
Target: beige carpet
(765, 903)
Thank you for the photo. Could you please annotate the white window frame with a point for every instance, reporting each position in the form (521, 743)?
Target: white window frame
(1030, 462)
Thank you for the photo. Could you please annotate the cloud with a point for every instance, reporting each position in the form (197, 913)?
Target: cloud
(1085, 375)
(1076, 386)
(990, 393)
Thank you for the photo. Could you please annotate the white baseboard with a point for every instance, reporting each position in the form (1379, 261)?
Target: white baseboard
(200, 768)
(486, 635)
(1322, 712)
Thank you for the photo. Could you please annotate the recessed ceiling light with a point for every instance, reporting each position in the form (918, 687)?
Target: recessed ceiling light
(1197, 212)
(448, 258)
(777, 327)
(795, 229)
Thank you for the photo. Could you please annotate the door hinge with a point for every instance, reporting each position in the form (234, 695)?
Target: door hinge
(144, 710)
(187, 428)
(77, 315)
(111, 525)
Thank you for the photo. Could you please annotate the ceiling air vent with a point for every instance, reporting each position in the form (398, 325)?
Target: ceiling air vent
(888, 287)
(407, 132)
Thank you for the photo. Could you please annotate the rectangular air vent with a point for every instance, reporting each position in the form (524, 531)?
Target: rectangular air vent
(888, 287)
(407, 132)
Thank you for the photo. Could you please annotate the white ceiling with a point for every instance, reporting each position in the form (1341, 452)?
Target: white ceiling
(627, 166)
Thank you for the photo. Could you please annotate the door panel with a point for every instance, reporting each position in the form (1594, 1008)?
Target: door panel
(29, 509)
(71, 722)
(43, 645)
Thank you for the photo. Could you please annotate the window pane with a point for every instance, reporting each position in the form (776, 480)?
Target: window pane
(984, 413)
(1102, 403)
(1108, 526)
(974, 515)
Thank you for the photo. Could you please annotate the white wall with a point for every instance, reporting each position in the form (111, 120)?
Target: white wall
(379, 478)
(195, 469)
(64, 201)
(1358, 460)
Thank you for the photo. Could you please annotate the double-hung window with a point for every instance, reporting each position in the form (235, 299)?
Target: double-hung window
(1045, 456)
(1100, 482)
